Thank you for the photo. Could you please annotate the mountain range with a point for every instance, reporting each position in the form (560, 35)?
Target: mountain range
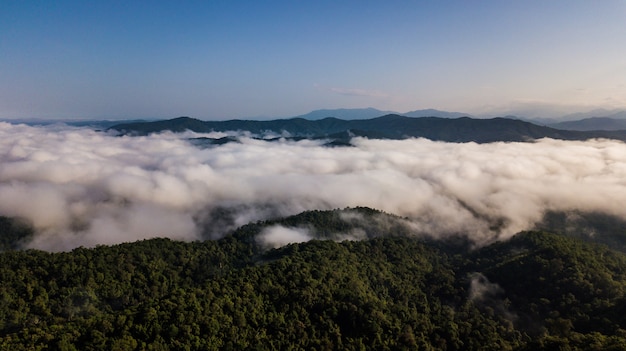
(392, 126)
(598, 119)
(594, 123)
(367, 113)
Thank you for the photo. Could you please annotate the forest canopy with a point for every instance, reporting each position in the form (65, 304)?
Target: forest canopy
(395, 291)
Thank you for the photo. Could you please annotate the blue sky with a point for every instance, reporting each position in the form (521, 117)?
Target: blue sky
(238, 59)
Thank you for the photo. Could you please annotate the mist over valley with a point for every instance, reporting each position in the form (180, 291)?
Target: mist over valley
(80, 187)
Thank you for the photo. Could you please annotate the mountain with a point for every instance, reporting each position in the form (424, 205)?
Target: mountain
(616, 113)
(389, 290)
(367, 113)
(435, 113)
(593, 123)
(599, 119)
(345, 113)
(463, 129)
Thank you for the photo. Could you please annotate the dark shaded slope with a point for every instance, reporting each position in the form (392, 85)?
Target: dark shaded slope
(463, 129)
(13, 232)
(588, 226)
(467, 129)
(555, 284)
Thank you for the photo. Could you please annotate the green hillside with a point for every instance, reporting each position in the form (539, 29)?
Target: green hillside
(392, 291)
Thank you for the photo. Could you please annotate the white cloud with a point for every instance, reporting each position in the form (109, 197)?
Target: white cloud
(277, 236)
(79, 187)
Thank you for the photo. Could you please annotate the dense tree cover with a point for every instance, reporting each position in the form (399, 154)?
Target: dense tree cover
(589, 226)
(13, 232)
(562, 289)
(535, 291)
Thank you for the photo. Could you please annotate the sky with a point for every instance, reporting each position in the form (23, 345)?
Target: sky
(261, 59)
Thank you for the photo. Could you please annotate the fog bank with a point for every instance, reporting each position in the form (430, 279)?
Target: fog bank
(82, 188)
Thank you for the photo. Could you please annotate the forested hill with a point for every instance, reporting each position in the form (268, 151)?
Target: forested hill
(537, 291)
(463, 129)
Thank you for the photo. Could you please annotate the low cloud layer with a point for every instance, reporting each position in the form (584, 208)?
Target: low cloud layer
(80, 187)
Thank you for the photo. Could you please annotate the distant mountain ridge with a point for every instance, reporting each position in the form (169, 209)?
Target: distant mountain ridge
(391, 126)
(616, 113)
(345, 113)
(435, 113)
(598, 119)
(367, 113)
(593, 123)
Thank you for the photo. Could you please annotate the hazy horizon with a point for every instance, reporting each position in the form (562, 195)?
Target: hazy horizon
(577, 115)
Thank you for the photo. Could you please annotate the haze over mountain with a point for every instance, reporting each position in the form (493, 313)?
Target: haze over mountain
(592, 120)
(367, 113)
(345, 113)
(593, 123)
(435, 113)
(596, 113)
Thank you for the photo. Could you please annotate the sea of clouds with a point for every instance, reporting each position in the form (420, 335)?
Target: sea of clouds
(80, 187)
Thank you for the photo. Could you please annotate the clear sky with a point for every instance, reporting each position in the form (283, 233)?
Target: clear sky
(236, 59)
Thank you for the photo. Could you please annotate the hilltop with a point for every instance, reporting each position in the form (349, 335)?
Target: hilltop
(389, 290)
